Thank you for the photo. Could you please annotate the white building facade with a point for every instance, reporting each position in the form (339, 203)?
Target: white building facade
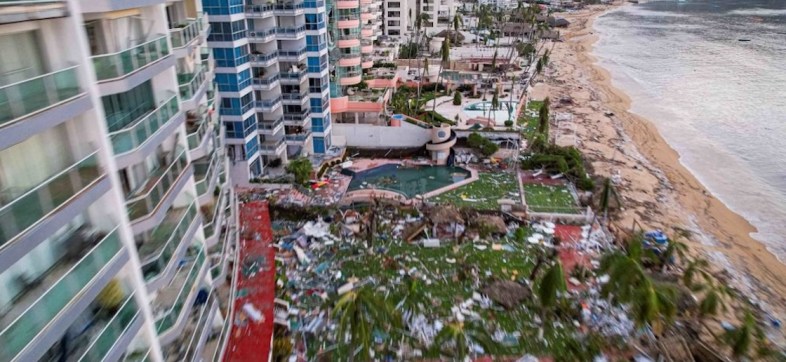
(115, 213)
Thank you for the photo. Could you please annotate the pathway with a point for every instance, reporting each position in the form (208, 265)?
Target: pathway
(250, 340)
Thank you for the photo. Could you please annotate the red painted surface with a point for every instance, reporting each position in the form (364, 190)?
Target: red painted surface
(249, 340)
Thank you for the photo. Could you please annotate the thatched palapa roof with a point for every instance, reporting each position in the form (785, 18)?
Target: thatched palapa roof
(445, 214)
(507, 293)
(495, 223)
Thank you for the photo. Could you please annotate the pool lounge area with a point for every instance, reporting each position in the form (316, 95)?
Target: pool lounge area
(506, 111)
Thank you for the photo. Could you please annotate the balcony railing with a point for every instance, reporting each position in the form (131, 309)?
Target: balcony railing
(50, 304)
(292, 53)
(203, 177)
(300, 96)
(115, 65)
(31, 95)
(290, 6)
(268, 103)
(29, 208)
(262, 58)
(271, 145)
(269, 80)
(210, 227)
(171, 316)
(261, 34)
(297, 116)
(195, 136)
(112, 331)
(291, 32)
(190, 82)
(260, 9)
(298, 137)
(181, 36)
(265, 124)
(158, 184)
(130, 138)
(164, 241)
(296, 75)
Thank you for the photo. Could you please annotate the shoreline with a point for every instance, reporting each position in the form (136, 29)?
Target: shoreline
(657, 190)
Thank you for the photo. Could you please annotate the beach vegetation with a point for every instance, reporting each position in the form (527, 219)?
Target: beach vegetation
(482, 144)
(543, 118)
(301, 169)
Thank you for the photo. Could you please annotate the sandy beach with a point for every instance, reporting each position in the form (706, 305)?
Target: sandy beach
(657, 190)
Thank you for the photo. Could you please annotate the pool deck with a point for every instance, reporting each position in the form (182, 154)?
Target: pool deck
(371, 193)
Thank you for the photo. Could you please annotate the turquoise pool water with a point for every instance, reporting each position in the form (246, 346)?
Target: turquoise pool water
(406, 180)
(483, 109)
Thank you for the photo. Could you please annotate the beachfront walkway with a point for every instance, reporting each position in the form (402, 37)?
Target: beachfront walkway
(249, 340)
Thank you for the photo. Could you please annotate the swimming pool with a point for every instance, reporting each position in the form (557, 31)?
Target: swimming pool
(483, 109)
(407, 180)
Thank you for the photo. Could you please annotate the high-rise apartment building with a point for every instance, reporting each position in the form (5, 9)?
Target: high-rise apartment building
(400, 16)
(272, 74)
(114, 205)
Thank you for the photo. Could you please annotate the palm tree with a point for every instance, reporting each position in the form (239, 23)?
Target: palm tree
(445, 53)
(652, 303)
(748, 335)
(359, 313)
(551, 285)
(459, 336)
(414, 299)
(607, 194)
(495, 102)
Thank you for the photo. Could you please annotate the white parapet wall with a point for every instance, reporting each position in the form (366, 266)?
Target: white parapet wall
(381, 137)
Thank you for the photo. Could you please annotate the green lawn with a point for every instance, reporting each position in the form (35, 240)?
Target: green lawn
(544, 198)
(484, 192)
(528, 119)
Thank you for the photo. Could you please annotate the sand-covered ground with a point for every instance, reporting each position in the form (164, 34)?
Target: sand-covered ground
(657, 190)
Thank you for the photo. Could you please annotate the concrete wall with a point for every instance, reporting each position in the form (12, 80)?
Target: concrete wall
(492, 135)
(371, 136)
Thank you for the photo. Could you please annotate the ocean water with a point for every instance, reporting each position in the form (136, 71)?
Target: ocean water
(720, 102)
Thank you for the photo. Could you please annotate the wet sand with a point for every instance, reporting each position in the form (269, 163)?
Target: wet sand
(656, 189)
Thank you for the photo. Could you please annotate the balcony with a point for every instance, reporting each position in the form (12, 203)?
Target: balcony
(347, 4)
(185, 33)
(270, 128)
(291, 33)
(266, 83)
(290, 9)
(297, 119)
(293, 77)
(268, 105)
(156, 253)
(205, 170)
(189, 347)
(299, 98)
(351, 22)
(292, 55)
(122, 326)
(190, 83)
(272, 147)
(159, 183)
(298, 137)
(168, 306)
(197, 127)
(27, 209)
(55, 296)
(213, 213)
(349, 59)
(262, 36)
(260, 11)
(20, 99)
(263, 60)
(139, 131)
(120, 64)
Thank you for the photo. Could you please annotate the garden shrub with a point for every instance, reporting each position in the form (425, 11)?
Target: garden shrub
(456, 98)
